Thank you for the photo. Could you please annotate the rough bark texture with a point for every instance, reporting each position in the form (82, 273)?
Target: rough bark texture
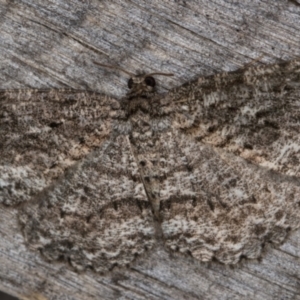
(52, 44)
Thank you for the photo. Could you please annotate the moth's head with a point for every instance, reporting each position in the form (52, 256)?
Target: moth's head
(141, 86)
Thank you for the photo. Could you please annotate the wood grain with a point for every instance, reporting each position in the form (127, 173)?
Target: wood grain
(52, 44)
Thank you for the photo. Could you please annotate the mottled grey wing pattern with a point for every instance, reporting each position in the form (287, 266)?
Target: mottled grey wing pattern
(88, 205)
(214, 204)
(42, 133)
(235, 185)
(253, 113)
(97, 215)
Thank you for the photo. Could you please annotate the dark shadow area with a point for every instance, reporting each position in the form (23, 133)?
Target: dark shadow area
(4, 296)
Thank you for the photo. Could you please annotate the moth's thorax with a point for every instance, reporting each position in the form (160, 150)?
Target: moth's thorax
(146, 125)
(136, 104)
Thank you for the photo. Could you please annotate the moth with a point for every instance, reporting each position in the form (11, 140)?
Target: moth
(210, 169)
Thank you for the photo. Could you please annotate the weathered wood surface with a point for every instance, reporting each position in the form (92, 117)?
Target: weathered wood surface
(52, 44)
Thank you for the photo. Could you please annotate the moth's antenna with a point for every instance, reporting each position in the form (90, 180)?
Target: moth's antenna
(158, 73)
(131, 74)
(115, 68)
